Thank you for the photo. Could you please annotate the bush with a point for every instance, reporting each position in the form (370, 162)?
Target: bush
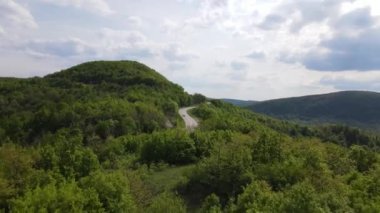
(167, 203)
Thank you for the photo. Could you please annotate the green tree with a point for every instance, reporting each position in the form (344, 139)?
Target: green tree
(267, 149)
(258, 197)
(211, 204)
(66, 197)
(225, 172)
(363, 158)
(199, 98)
(301, 198)
(113, 191)
(167, 203)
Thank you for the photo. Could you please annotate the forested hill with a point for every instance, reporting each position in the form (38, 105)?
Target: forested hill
(357, 108)
(240, 103)
(107, 137)
(101, 98)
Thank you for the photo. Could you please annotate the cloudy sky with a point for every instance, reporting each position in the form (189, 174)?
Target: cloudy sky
(246, 49)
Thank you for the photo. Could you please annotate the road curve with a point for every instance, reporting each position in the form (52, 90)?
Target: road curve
(190, 122)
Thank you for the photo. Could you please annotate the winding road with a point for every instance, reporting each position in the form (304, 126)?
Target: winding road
(190, 122)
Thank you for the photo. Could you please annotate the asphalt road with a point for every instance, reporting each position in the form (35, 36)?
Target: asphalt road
(190, 122)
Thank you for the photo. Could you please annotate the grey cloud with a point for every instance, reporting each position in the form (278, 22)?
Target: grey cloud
(348, 84)
(287, 58)
(136, 53)
(360, 52)
(237, 65)
(58, 48)
(301, 13)
(256, 55)
(272, 22)
(129, 47)
(174, 66)
(357, 19)
(95, 6)
(175, 53)
(239, 70)
(314, 11)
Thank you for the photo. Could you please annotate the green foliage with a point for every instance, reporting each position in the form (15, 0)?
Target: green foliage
(364, 159)
(198, 98)
(267, 149)
(15, 166)
(167, 203)
(258, 197)
(170, 146)
(105, 137)
(112, 189)
(348, 136)
(101, 98)
(365, 193)
(67, 156)
(224, 173)
(211, 204)
(301, 198)
(67, 197)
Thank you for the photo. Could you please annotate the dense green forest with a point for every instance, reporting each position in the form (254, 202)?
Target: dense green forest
(353, 108)
(106, 137)
(240, 103)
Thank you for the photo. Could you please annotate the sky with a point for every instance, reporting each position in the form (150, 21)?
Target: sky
(243, 49)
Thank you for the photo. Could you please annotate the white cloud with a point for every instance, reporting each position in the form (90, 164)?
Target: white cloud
(14, 16)
(116, 38)
(134, 21)
(2, 32)
(95, 6)
(125, 44)
(353, 82)
(256, 55)
(108, 44)
(64, 48)
(175, 66)
(174, 52)
(249, 49)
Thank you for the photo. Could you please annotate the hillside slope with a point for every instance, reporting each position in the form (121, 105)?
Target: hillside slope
(357, 108)
(94, 138)
(101, 98)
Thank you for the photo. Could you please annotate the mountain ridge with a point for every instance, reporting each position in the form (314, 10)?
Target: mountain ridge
(237, 102)
(357, 108)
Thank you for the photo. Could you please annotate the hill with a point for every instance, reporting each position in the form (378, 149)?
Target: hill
(356, 108)
(240, 103)
(95, 138)
(114, 98)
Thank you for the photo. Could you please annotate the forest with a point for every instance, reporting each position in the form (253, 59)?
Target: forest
(105, 136)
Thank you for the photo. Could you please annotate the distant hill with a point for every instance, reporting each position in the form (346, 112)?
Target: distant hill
(356, 108)
(240, 103)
